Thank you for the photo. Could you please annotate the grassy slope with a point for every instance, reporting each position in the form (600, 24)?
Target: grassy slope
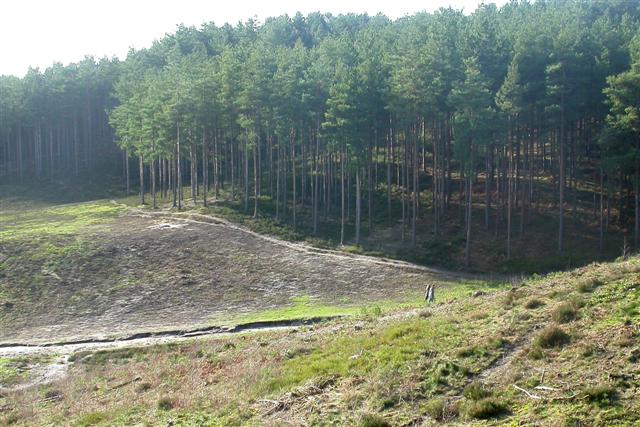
(458, 361)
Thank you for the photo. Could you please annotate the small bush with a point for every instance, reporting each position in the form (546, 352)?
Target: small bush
(435, 409)
(588, 349)
(535, 353)
(165, 404)
(565, 312)
(485, 409)
(466, 351)
(577, 301)
(589, 284)
(53, 395)
(424, 313)
(602, 395)
(91, 419)
(478, 315)
(551, 336)
(373, 420)
(475, 391)
(533, 303)
(510, 298)
(142, 387)
(389, 402)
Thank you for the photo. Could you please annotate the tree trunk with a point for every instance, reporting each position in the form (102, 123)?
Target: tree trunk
(636, 223)
(205, 167)
(601, 219)
(342, 210)
(561, 178)
(509, 190)
(255, 180)
(153, 182)
(179, 171)
(467, 251)
(141, 170)
(293, 176)
(358, 207)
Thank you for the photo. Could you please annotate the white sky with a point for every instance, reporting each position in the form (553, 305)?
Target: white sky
(38, 32)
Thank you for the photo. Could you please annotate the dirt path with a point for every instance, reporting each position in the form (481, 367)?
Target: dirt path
(55, 367)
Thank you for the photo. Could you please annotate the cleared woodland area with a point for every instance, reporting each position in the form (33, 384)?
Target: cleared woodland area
(98, 269)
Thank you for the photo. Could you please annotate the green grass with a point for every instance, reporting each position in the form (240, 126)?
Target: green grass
(9, 372)
(393, 349)
(375, 369)
(305, 307)
(301, 308)
(55, 221)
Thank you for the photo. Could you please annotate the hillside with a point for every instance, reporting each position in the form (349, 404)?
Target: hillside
(99, 270)
(555, 350)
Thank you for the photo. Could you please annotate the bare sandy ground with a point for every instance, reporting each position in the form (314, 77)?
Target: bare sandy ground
(165, 271)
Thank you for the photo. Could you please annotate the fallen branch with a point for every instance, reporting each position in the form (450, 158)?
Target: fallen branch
(126, 383)
(542, 387)
(573, 396)
(532, 396)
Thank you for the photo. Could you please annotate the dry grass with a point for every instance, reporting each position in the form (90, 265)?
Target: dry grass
(385, 369)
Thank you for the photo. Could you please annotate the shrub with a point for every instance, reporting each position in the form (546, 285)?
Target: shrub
(510, 298)
(91, 419)
(601, 394)
(533, 303)
(142, 387)
(577, 301)
(484, 409)
(435, 409)
(565, 312)
(389, 402)
(466, 351)
(475, 391)
(165, 404)
(373, 420)
(53, 395)
(535, 353)
(551, 336)
(11, 419)
(589, 284)
(424, 313)
(588, 349)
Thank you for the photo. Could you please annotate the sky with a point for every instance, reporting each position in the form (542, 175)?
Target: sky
(38, 32)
